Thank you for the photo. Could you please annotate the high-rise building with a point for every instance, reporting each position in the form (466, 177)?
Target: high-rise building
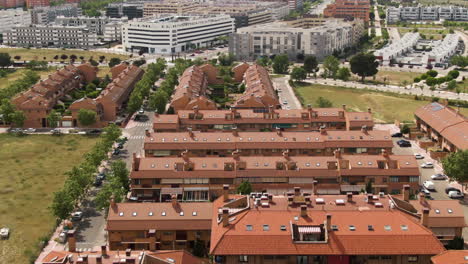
(348, 9)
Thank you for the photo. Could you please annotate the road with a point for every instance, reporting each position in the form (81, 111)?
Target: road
(393, 33)
(318, 9)
(378, 28)
(286, 93)
(391, 88)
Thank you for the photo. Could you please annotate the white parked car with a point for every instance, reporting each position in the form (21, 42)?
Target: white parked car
(31, 130)
(429, 185)
(427, 165)
(77, 216)
(5, 233)
(455, 194)
(285, 102)
(439, 176)
(418, 156)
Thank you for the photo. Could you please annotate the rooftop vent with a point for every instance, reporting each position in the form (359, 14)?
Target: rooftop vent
(194, 213)
(388, 228)
(163, 213)
(352, 228)
(379, 205)
(437, 211)
(248, 227)
(266, 228)
(340, 202)
(150, 213)
(121, 214)
(134, 214)
(181, 213)
(283, 228)
(449, 211)
(319, 201)
(334, 227)
(404, 227)
(370, 227)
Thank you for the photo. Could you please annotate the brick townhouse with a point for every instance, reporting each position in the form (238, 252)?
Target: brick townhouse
(300, 228)
(357, 9)
(445, 126)
(323, 143)
(40, 99)
(202, 178)
(112, 100)
(309, 119)
(158, 226)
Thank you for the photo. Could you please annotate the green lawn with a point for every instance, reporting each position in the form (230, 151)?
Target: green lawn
(436, 34)
(39, 54)
(32, 169)
(395, 77)
(386, 108)
(18, 73)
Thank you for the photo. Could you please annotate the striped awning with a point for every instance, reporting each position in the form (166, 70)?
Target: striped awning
(309, 229)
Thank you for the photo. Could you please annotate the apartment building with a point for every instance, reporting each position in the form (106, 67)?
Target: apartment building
(443, 125)
(47, 14)
(427, 13)
(259, 91)
(47, 36)
(445, 218)
(11, 3)
(301, 228)
(191, 92)
(131, 10)
(293, 38)
(169, 7)
(10, 18)
(397, 48)
(112, 100)
(37, 102)
(159, 226)
(202, 144)
(443, 50)
(94, 24)
(201, 178)
(113, 31)
(309, 119)
(37, 3)
(348, 9)
(295, 4)
(168, 34)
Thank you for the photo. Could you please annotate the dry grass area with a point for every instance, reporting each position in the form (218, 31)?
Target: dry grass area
(33, 169)
(103, 71)
(444, 2)
(48, 54)
(18, 73)
(396, 77)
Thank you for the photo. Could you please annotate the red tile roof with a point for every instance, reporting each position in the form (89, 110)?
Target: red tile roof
(394, 233)
(451, 257)
(173, 257)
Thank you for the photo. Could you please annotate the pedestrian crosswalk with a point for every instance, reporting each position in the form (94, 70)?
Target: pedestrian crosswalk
(80, 249)
(137, 137)
(144, 125)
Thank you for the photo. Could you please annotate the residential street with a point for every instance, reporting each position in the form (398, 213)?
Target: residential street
(286, 94)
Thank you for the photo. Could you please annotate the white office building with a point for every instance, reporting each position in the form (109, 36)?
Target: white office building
(397, 48)
(167, 34)
(428, 13)
(308, 36)
(56, 36)
(10, 18)
(47, 14)
(393, 15)
(443, 50)
(94, 24)
(113, 31)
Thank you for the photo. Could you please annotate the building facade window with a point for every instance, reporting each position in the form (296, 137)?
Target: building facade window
(243, 258)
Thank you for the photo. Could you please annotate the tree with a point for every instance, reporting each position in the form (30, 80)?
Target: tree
(53, 118)
(114, 61)
(6, 108)
(310, 64)
(17, 118)
(73, 57)
(457, 243)
(199, 249)
(5, 60)
(431, 81)
(298, 74)
(432, 73)
(93, 62)
(226, 59)
(405, 129)
(36, 65)
(264, 61)
(452, 85)
(368, 187)
(62, 205)
(364, 64)
(158, 101)
(138, 63)
(56, 57)
(343, 74)
(456, 166)
(135, 102)
(81, 57)
(17, 57)
(244, 188)
(331, 65)
(454, 74)
(281, 64)
(111, 133)
(87, 117)
(119, 173)
(90, 87)
(63, 57)
(460, 61)
(323, 102)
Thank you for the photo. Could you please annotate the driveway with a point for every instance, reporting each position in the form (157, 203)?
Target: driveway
(286, 93)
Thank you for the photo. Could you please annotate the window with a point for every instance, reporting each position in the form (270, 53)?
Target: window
(388, 228)
(302, 260)
(394, 178)
(414, 179)
(243, 258)
(413, 259)
(248, 227)
(266, 227)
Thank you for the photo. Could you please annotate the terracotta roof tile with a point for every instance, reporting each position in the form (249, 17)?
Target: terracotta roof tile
(452, 257)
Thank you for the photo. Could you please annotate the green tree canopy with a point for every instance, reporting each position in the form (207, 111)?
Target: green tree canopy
(343, 74)
(456, 166)
(281, 64)
(114, 61)
(87, 117)
(298, 74)
(62, 205)
(364, 64)
(331, 65)
(158, 101)
(5, 60)
(53, 119)
(6, 108)
(245, 187)
(310, 64)
(323, 102)
(460, 61)
(17, 118)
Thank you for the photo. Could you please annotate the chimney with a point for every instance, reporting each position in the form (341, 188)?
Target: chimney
(297, 191)
(323, 130)
(112, 202)
(147, 133)
(337, 153)
(422, 199)
(152, 239)
(136, 162)
(71, 240)
(225, 192)
(236, 154)
(350, 197)
(425, 217)
(364, 129)
(278, 131)
(290, 200)
(270, 198)
(385, 153)
(307, 199)
(156, 114)
(225, 217)
(309, 107)
(270, 109)
(406, 189)
(174, 200)
(344, 107)
(369, 199)
(104, 250)
(190, 132)
(195, 110)
(128, 252)
(369, 110)
(235, 131)
(329, 217)
(286, 154)
(185, 155)
(314, 183)
(303, 210)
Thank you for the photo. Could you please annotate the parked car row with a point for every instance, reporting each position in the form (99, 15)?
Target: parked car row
(403, 143)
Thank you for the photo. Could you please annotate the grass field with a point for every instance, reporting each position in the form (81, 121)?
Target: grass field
(436, 34)
(39, 54)
(385, 107)
(32, 169)
(396, 77)
(7, 80)
(103, 70)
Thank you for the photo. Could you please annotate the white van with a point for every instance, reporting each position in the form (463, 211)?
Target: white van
(429, 185)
